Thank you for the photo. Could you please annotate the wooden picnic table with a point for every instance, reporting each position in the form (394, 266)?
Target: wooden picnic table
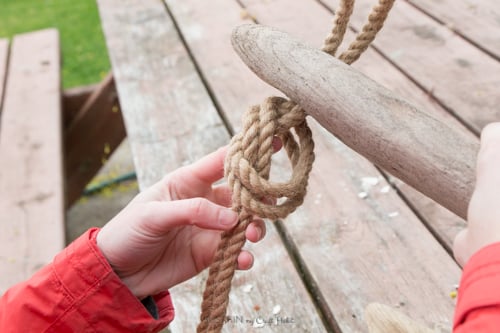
(51, 145)
(361, 235)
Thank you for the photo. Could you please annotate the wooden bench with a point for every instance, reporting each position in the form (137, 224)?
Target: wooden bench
(361, 235)
(44, 165)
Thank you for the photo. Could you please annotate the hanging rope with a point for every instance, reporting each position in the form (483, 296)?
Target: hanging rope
(248, 164)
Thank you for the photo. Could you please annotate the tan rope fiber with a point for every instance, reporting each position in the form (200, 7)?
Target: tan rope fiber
(375, 22)
(248, 164)
(340, 22)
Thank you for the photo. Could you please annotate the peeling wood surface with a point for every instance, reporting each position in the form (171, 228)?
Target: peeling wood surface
(357, 239)
(31, 177)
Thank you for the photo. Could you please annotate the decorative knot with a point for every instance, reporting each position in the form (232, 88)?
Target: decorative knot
(248, 164)
(248, 161)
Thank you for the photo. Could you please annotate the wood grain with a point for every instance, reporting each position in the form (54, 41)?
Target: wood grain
(457, 74)
(413, 146)
(4, 57)
(328, 207)
(31, 177)
(442, 223)
(163, 100)
(171, 120)
(476, 21)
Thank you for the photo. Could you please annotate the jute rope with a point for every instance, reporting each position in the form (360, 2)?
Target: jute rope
(248, 164)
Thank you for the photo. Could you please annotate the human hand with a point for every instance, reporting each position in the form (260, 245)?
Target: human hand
(170, 232)
(483, 226)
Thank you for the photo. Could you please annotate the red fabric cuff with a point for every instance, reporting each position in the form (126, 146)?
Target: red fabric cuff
(479, 286)
(95, 297)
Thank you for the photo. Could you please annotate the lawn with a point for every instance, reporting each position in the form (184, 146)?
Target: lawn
(85, 59)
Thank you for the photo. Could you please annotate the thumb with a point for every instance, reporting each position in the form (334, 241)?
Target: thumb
(460, 246)
(163, 216)
(488, 159)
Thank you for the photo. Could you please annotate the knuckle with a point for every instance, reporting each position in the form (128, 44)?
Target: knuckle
(198, 208)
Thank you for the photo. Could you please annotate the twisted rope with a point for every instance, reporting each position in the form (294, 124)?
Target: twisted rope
(248, 164)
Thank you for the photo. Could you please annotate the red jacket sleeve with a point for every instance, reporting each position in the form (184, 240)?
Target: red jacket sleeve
(79, 292)
(478, 305)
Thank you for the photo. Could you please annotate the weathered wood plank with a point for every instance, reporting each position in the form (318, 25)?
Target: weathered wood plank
(375, 66)
(368, 250)
(170, 121)
(158, 88)
(476, 21)
(31, 177)
(419, 149)
(332, 240)
(456, 73)
(93, 135)
(4, 57)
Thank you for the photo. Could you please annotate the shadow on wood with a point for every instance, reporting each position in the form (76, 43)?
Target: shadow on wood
(93, 134)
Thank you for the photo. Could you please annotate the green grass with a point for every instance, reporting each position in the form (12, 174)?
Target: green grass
(84, 54)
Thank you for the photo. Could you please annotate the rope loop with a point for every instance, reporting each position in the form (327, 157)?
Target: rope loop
(248, 160)
(248, 164)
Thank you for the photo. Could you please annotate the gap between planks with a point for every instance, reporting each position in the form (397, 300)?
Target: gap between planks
(465, 24)
(240, 98)
(170, 120)
(4, 61)
(454, 72)
(407, 74)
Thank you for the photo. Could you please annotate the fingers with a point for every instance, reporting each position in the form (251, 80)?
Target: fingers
(221, 195)
(245, 260)
(194, 180)
(488, 160)
(277, 144)
(256, 231)
(208, 169)
(459, 248)
(160, 217)
(483, 215)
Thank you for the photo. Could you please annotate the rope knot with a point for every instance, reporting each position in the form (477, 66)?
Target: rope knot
(248, 161)
(248, 164)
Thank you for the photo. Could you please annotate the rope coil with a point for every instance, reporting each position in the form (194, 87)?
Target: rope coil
(248, 164)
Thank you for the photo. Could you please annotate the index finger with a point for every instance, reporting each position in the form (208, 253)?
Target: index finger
(207, 170)
(210, 168)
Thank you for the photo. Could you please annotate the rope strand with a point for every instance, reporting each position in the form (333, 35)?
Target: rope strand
(248, 164)
(340, 22)
(375, 22)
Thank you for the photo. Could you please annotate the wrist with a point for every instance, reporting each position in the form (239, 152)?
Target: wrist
(102, 242)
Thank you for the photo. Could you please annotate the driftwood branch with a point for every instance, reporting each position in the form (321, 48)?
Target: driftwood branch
(410, 144)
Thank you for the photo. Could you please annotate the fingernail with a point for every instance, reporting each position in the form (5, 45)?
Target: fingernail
(228, 217)
(259, 233)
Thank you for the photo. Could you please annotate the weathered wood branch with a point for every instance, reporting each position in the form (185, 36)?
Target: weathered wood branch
(393, 134)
